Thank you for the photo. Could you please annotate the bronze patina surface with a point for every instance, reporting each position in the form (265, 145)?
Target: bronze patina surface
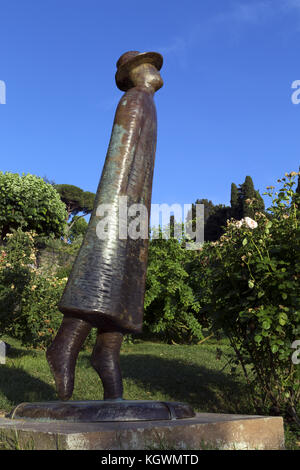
(107, 283)
(102, 411)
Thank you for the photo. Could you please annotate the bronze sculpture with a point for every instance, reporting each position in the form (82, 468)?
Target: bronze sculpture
(106, 286)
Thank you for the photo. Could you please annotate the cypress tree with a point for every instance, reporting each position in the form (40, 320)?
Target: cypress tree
(247, 192)
(298, 187)
(234, 201)
(250, 199)
(245, 200)
(259, 205)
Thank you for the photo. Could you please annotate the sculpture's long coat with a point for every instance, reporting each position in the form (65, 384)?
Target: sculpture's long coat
(107, 281)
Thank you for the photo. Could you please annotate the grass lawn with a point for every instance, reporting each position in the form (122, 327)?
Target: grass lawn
(151, 371)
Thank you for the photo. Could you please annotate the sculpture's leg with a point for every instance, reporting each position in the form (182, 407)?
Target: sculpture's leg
(63, 352)
(106, 361)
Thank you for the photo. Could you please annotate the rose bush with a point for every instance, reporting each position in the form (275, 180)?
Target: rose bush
(252, 294)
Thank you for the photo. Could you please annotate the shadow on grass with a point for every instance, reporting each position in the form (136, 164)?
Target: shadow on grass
(15, 353)
(205, 389)
(19, 386)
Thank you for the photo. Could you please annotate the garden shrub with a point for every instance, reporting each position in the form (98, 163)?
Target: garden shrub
(17, 261)
(29, 294)
(38, 319)
(57, 257)
(28, 298)
(170, 305)
(28, 202)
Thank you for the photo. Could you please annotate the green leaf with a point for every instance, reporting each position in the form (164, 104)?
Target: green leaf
(283, 318)
(245, 241)
(257, 338)
(266, 324)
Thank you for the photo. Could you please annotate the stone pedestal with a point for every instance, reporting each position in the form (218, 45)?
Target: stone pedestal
(203, 431)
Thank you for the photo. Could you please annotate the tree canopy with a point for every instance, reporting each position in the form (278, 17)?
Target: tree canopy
(28, 202)
(245, 201)
(75, 199)
(215, 216)
(77, 228)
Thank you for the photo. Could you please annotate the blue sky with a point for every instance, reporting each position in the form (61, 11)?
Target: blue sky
(225, 110)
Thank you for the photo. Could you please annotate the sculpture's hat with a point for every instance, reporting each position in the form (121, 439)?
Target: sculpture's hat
(132, 59)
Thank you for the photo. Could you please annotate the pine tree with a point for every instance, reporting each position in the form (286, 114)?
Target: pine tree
(76, 201)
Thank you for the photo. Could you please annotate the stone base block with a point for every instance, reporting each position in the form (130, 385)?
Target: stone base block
(204, 431)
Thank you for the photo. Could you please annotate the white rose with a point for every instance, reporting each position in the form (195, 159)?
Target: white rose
(250, 222)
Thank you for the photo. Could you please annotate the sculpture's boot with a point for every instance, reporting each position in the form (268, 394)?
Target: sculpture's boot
(106, 361)
(63, 352)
